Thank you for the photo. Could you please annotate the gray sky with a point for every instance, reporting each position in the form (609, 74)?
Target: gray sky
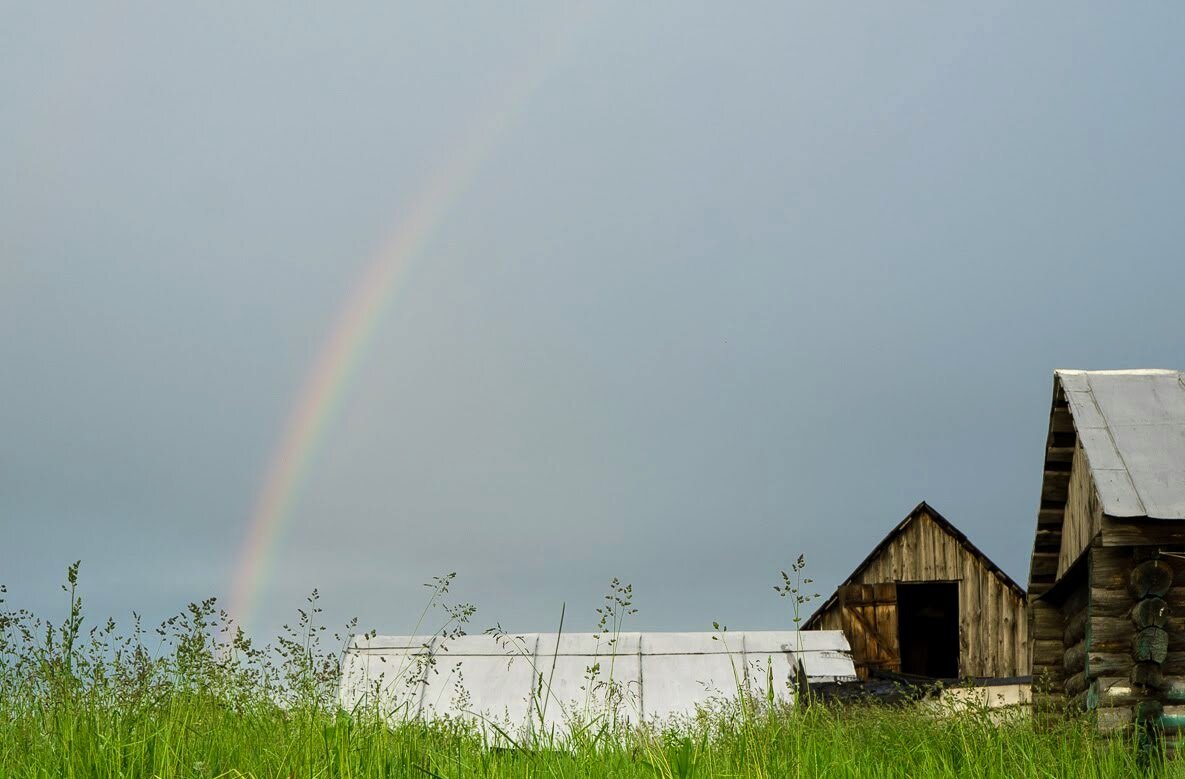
(735, 283)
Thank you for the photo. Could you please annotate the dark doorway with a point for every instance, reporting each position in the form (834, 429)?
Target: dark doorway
(928, 628)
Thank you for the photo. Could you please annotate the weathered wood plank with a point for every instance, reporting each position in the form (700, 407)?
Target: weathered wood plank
(1116, 636)
(1114, 719)
(1111, 602)
(1054, 489)
(1051, 519)
(1059, 454)
(1120, 664)
(1047, 541)
(1135, 533)
(1083, 518)
(1059, 476)
(1043, 565)
(1006, 630)
(1110, 634)
(988, 645)
(1047, 654)
(1109, 664)
(1060, 421)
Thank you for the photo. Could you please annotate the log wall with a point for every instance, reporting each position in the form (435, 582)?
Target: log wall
(1136, 657)
(1114, 639)
(1047, 626)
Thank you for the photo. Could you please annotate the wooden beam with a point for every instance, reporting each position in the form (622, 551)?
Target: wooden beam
(1059, 454)
(1120, 664)
(1046, 621)
(1047, 540)
(1044, 565)
(1055, 486)
(1051, 518)
(1060, 421)
(1047, 656)
(1142, 532)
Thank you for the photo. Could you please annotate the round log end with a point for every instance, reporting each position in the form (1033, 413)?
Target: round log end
(1148, 674)
(1151, 578)
(1151, 613)
(1150, 645)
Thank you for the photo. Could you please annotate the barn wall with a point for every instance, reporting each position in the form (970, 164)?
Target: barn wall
(993, 626)
(1083, 514)
(829, 620)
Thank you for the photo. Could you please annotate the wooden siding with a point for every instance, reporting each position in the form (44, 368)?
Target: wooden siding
(1083, 517)
(993, 625)
(868, 617)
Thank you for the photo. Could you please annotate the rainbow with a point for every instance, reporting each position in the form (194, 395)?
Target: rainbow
(324, 387)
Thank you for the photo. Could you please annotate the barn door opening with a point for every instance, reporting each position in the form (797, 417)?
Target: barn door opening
(869, 620)
(928, 628)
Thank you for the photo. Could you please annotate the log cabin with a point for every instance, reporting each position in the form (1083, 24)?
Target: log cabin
(926, 602)
(1107, 579)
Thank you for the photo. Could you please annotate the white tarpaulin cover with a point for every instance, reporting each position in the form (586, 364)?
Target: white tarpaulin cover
(537, 681)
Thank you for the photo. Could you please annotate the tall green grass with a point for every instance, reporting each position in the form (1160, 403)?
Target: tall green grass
(194, 698)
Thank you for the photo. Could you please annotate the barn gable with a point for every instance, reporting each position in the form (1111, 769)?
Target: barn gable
(889, 606)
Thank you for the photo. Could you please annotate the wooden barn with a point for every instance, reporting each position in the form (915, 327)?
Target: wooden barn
(1107, 580)
(927, 602)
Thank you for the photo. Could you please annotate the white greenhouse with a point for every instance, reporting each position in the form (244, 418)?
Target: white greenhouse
(541, 682)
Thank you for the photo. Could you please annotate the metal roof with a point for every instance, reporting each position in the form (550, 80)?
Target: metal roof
(1132, 428)
(534, 682)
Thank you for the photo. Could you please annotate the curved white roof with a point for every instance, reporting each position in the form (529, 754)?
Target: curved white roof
(540, 681)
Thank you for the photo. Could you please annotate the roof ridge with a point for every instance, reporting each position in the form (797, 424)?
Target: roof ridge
(1118, 371)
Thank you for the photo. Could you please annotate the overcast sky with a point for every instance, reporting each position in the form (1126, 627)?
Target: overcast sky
(729, 284)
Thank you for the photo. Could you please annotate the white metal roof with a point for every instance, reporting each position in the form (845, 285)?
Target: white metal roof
(1132, 428)
(540, 681)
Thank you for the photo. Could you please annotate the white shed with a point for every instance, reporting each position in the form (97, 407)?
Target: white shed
(541, 682)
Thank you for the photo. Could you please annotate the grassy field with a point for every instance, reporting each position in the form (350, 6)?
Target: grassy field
(89, 701)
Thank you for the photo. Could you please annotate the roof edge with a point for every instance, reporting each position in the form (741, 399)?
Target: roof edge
(1118, 372)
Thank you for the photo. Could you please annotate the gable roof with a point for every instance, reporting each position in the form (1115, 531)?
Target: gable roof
(922, 509)
(1131, 425)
